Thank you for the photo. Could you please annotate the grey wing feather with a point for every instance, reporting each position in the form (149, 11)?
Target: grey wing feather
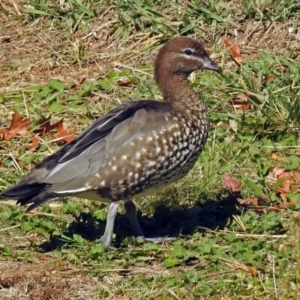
(64, 171)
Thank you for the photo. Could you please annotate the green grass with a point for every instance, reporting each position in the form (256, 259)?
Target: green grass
(213, 258)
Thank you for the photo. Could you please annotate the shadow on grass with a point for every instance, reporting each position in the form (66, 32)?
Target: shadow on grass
(165, 222)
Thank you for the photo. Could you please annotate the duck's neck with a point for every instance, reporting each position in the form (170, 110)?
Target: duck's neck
(176, 91)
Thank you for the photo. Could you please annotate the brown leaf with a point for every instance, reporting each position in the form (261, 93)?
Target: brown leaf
(241, 101)
(290, 180)
(77, 86)
(62, 129)
(286, 204)
(231, 183)
(17, 126)
(252, 271)
(274, 172)
(35, 142)
(45, 126)
(124, 81)
(249, 201)
(235, 51)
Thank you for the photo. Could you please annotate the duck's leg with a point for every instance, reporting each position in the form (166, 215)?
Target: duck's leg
(138, 232)
(131, 213)
(111, 216)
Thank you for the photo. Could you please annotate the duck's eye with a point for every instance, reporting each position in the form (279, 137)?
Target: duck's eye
(188, 52)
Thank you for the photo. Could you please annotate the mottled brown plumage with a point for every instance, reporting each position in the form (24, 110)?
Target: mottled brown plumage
(137, 148)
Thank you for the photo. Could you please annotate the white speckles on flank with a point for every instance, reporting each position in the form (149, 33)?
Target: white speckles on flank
(191, 147)
(124, 157)
(130, 174)
(157, 149)
(131, 143)
(151, 163)
(137, 154)
(149, 138)
(114, 168)
(137, 165)
(97, 175)
(143, 150)
(136, 175)
(120, 181)
(161, 158)
(102, 183)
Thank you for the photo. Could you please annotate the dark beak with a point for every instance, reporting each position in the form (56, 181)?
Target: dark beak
(210, 65)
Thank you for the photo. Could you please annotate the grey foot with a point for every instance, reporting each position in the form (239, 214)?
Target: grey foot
(160, 240)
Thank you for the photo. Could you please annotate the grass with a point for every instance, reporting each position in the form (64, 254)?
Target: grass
(72, 60)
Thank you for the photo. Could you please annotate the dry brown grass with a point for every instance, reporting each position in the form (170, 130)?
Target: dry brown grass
(35, 52)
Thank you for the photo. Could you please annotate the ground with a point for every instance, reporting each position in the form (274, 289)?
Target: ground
(233, 244)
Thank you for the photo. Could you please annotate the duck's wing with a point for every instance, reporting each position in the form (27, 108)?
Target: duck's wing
(87, 153)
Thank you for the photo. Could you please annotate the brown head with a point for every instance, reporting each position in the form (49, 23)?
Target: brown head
(177, 59)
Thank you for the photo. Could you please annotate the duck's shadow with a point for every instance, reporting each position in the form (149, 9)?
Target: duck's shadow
(166, 222)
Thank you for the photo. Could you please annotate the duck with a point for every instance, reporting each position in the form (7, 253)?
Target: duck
(135, 149)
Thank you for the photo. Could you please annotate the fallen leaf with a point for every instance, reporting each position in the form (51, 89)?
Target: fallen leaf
(253, 202)
(252, 271)
(287, 180)
(274, 172)
(241, 101)
(235, 51)
(77, 86)
(123, 81)
(249, 201)
(286, 204)
(17, 127)
(62, 129)
(231, 183)
(35, 142)
(44, 126)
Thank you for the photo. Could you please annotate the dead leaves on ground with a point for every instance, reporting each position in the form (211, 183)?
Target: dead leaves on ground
(283, 181)
(279, 180)
(235, 51)
(20, 126)
(245, 101)
(231, 184)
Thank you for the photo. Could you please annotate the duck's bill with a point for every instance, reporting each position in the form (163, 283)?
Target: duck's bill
(210, 65)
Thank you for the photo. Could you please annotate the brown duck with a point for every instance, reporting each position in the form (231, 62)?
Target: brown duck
(135, 149)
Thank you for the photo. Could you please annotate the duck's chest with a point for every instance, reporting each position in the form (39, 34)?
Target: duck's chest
(185, 146)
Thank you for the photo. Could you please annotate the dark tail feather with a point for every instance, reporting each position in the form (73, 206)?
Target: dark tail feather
(23, 190)
(36, 194)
